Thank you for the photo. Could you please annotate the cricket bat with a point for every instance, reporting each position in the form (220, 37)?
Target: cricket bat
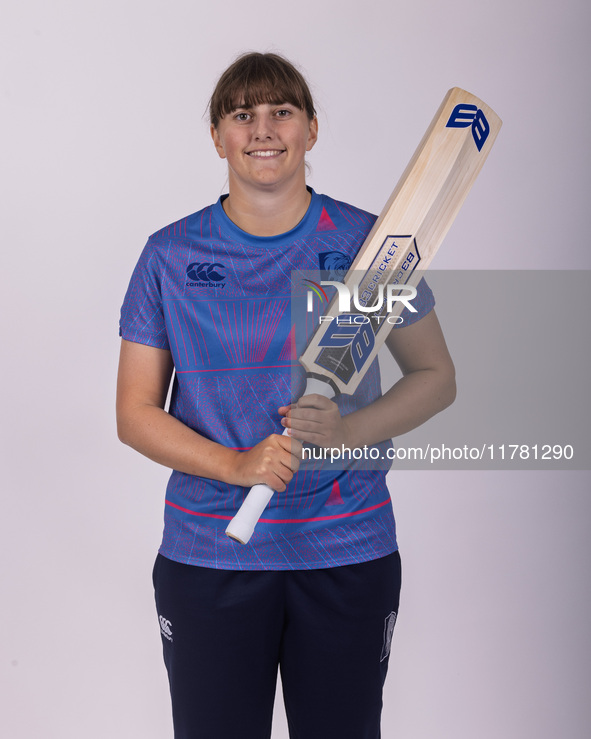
(390, 263)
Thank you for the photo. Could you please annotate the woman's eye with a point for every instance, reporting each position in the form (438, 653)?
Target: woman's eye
(283, 113)
(242, 116)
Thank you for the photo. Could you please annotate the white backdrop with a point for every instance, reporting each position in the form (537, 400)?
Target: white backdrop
(104, 141)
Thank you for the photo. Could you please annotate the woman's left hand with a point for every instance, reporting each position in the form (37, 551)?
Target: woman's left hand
(315, 419)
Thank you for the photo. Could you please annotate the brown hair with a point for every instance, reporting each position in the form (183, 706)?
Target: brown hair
(254, 79)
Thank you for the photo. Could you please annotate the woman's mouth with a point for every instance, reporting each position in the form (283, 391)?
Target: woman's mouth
(265, 153)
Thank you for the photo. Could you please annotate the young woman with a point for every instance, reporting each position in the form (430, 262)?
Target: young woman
(315, 592)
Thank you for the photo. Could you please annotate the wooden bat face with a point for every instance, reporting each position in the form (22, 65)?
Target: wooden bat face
(403, 241)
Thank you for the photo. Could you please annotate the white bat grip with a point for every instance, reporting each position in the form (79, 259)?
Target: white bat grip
(242, 525)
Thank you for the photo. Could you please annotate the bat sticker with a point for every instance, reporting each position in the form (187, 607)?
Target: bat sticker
(464, 115)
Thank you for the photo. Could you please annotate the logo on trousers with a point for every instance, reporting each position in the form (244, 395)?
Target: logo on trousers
(389, 623)
(165, 628)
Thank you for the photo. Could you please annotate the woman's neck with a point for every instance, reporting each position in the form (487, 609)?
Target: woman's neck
(267, 213)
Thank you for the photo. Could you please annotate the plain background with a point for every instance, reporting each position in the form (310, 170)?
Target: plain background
(103, 142)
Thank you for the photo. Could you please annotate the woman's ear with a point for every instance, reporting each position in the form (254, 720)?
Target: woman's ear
(312, 134)
(217, 142)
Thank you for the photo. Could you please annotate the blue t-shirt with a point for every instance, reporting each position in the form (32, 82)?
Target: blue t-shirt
(219, 300)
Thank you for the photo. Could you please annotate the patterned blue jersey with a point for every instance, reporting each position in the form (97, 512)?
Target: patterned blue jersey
(219, 299)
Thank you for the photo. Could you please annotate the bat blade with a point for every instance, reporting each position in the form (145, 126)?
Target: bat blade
(404, 239)
(398, 249)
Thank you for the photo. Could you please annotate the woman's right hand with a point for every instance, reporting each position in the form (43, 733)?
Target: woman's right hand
(273, 461)
(142, 422)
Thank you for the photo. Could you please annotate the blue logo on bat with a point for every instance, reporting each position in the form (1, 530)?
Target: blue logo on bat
(347, 331)
(464, 115)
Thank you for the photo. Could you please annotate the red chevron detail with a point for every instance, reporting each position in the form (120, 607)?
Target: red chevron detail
(325, 222)
(335, 497)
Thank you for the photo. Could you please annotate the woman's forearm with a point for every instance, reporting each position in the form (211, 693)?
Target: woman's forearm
(414, 399)
(156, 434)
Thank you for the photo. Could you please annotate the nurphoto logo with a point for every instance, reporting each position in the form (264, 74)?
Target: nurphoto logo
(395, 293)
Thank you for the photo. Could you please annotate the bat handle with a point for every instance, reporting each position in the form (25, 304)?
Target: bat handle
(242, 525)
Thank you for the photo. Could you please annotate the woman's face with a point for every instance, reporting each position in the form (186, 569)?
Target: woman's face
(265, 145)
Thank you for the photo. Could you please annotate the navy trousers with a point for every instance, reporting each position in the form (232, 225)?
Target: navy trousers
(226, 633)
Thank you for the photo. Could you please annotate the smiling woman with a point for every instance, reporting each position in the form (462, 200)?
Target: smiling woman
(315, 591)
(263, 122)
(265, 146)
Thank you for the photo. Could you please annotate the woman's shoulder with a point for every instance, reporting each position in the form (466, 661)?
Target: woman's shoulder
(344, 216)
(200, 224)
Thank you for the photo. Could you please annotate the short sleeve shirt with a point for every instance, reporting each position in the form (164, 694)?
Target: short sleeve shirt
(219, 299)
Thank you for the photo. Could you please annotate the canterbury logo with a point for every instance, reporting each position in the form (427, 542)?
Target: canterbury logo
(165, 627)
(389, 623)
(205, 271)
(464, 115)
